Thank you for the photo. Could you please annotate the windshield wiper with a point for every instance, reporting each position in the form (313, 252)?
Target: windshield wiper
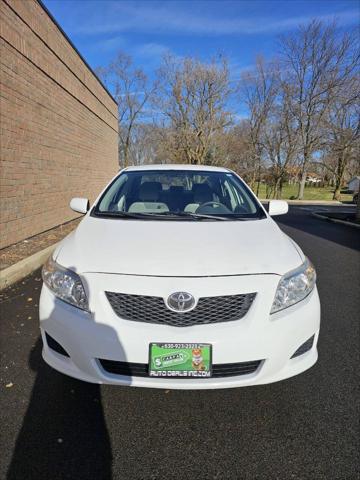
(123, 214)
(168, 215)
(200, 216)
(196, 216)
(161, 215)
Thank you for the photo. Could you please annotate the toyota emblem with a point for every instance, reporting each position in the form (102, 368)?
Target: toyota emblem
(181, 302)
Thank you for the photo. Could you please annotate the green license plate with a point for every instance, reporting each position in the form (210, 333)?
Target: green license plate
(183, 360)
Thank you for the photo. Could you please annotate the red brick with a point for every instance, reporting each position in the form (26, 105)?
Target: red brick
(58, 124)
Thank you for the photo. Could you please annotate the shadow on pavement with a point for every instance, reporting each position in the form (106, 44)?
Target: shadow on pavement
(303, 221)
(63, 430)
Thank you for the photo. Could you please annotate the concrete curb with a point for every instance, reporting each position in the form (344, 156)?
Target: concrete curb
(334, 220)
(307, 202)
(21, 269)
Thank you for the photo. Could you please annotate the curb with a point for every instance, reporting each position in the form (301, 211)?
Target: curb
(335, 220)
(306, 202)
(21, 269)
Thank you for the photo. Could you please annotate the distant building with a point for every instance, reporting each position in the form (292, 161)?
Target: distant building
(293, 174)
(313, 179)
(353, 184)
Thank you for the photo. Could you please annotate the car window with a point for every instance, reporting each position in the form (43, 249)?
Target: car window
(168, 192)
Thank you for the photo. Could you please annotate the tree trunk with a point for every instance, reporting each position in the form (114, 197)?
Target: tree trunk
(252, 182)
(337, 192)
(268, 191)
(281, 186)
(302, 185)
(258, 183)
(339, 179)
(127, 150)
(126, 162)
(277, 188)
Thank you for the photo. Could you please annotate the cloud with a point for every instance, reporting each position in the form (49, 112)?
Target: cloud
(139, 93)
(110, 44)
(151, 50)
(151, 53)
(237, 69)
(169, 17)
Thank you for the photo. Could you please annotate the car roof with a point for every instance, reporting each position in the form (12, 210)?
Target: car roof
(175, 166)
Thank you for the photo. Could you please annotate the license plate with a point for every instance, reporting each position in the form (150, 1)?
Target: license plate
(183, 360)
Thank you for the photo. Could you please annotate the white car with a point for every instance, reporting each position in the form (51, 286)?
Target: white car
(177, 277)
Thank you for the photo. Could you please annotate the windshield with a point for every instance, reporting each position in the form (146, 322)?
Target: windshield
(178, 193)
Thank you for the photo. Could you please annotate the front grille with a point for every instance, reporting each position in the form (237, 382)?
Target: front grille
(305, 347)
(141, 369)
(142, 308)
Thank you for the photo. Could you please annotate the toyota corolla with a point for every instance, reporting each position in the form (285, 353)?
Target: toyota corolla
(177, 277)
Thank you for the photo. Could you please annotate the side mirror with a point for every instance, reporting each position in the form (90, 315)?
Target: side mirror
(80, 205)
(278, 207)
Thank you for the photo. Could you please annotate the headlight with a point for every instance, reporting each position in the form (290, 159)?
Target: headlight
(294, 286)
(65, 284)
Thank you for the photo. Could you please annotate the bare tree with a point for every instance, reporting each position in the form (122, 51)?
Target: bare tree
(235, 150)
(342, 132)
(144, 145)
(258, 90)
(317, 60)
(302, 110)
(192, 97)
(280, 139)
(132, 91)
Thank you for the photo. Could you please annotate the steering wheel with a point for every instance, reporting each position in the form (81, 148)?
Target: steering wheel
(207, 204)
(222, 208)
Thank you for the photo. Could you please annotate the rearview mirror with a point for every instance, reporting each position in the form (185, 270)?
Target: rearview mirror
(278, 207)
(80, 205)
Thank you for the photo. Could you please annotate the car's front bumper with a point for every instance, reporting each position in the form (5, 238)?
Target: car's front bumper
(87, 337)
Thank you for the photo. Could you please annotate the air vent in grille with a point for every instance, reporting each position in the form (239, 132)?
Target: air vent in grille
(141, 369)
(141, 308)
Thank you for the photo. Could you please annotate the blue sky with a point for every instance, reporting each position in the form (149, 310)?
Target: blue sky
(240, 29)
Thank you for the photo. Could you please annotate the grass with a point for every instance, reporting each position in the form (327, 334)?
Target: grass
(310, 193)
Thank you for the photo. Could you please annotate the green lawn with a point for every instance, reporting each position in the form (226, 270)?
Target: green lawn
(310, 193)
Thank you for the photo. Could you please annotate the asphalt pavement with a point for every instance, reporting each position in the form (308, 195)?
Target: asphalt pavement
(306, 427)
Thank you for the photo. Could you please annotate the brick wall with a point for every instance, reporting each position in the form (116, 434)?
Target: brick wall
(58, 124)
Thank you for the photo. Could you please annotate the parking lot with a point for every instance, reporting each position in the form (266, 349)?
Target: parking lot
(54, 427)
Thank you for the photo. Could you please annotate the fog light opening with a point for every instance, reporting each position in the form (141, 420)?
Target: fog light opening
(305, 347)
(54, 345)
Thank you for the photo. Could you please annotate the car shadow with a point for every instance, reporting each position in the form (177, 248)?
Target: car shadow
(303, 221)
(63, 429)
(63, 432)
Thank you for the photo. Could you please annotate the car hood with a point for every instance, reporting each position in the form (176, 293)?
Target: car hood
(178, 248)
